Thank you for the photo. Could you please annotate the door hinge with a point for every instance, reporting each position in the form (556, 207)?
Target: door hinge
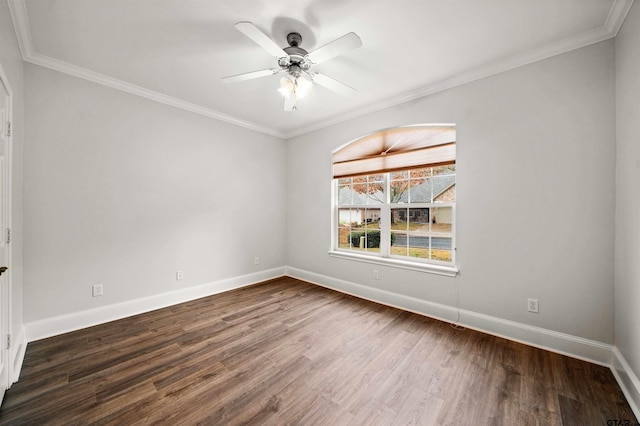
(8, 128)
(8, 235)
(8, 341)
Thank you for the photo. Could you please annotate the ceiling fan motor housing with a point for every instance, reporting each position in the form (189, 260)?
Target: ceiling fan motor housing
(294, 39)
(297, 57)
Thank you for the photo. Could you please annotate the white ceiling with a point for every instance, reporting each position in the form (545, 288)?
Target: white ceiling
(176, 51)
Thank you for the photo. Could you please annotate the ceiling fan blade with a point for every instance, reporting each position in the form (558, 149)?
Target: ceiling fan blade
(250, 75)
(251, 31)
(289, 103)
(334, 85)
(337, 47)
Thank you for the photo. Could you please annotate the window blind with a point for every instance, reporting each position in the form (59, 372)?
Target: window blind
(395, 149)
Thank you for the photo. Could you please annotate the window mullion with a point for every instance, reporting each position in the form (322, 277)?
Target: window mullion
(385, 220)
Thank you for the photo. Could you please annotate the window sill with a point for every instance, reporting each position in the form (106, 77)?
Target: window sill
(449, 271)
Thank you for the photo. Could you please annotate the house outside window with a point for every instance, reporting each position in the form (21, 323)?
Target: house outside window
(394, 198)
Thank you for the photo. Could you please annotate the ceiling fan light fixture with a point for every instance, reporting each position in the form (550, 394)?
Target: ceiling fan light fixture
(298, 87)
(303, 87)
(287, 86)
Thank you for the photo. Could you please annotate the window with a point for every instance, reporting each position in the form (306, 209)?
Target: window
(395, 198)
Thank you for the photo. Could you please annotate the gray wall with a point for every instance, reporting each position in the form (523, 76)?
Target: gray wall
(627, 267)
(123, 191)
(535, 195)
(12, 64)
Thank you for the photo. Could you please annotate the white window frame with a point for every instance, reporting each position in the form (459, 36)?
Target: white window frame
(384, 257)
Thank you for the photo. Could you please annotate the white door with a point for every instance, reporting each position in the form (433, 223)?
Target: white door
(5, 116)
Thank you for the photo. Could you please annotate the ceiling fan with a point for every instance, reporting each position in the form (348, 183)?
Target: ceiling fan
(296, 63)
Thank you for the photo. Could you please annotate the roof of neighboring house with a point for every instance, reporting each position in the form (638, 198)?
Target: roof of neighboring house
(449, 194)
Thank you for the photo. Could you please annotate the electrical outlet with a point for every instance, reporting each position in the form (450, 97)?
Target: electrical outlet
(179, 275)
(532, 305)
(376, 276)
(256, 260)
(96, 290)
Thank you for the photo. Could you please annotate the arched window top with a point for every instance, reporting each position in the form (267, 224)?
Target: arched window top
(399, 148)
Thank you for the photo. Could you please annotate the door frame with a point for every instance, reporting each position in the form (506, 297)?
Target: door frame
(7, 343)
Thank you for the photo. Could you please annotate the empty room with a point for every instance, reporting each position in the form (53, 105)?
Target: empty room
(320, 212)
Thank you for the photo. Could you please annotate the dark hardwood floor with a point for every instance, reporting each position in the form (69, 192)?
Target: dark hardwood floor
(289, 352)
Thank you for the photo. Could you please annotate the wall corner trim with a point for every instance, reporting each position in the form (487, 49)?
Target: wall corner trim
(16, 356)
(627, 379)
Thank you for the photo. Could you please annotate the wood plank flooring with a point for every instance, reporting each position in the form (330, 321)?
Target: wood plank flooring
(289, 352)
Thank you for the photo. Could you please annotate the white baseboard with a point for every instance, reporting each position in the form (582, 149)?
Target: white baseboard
(627, 380)
(411, 304)
(566, 344)
(550, 340)
(576, 347)
(48, 327)
(16, 355)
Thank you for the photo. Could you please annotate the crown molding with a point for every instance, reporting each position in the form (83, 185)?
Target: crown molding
(19, 16)
(114, 83)
(563, 46)
(610, 28)
(617, 15)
